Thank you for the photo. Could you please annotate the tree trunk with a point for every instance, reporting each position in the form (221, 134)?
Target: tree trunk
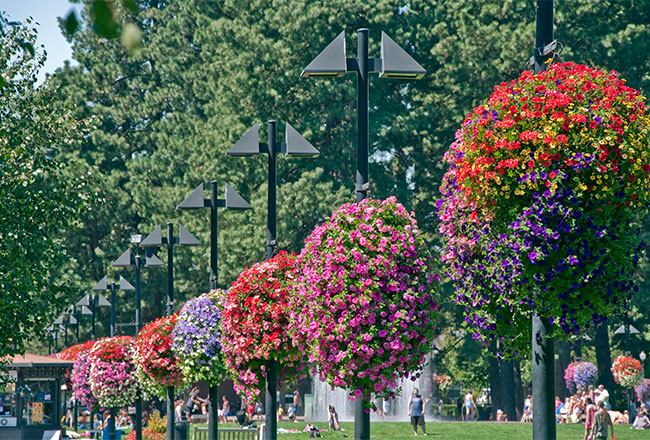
(495, 380)
(508, 401)
(563, 360)
(519, 391)
(604, 360)
(577, 349)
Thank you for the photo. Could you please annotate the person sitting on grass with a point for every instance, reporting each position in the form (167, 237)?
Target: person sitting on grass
(641, 421)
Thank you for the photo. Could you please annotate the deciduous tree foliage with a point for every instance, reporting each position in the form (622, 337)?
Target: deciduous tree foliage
(41, 195)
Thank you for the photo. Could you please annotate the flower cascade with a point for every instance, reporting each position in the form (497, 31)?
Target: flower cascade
(584, 375)
(154, 355)
(80, 379)
(71, 353)
(197, 338)
(642, 390)
(366, 305)
(627, 371)
(256, 325)
(569, 373)
(113, 379)
(539, 204)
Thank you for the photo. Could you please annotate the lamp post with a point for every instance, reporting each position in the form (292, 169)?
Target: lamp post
(543, 367)
(196, 200)
(294, 145)
(65, 319)
(93, 301)
(123, 284)
(155, 239)
(151, 260)
(394, 63)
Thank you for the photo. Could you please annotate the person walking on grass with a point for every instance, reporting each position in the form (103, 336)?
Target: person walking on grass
(470, 406)
(417, 407)
(600, 423)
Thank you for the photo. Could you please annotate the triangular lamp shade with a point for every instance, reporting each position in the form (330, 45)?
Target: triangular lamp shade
(151, 260)
(248, 145)
(85, 310)
(195, 200)
(331, 62)
(153, 239)
(186, 238)
(124, 260)
(297, 145)
(396, 62)
(125, 285)
(102, 285)
(234, 200)
(102, 302)
(85, 301)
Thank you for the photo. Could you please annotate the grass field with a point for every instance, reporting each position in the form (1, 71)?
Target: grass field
(451, 431)
(460, 431)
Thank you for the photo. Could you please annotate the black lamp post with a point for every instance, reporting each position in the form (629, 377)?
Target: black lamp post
(123, 284)
(196, 200)
(543, 367)
(155, 239)
(394, 63)
(65, 319)
(151, 260)
(294, 145)
(93, 301)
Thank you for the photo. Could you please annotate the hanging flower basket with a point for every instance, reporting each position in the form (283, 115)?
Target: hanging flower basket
(197, 339)
(585, 374)
(256, 326)
(642, 390)
(569, 379)
(71, 353)
(627, 371)
(366, 305)
(81, 379)
(154, 355)
(113, 379)
(540, 202)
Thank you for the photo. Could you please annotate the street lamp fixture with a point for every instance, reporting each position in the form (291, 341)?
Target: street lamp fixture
(123, 284)
(151, 260)
(197, 200)
(294, 145)
(395, 63)
(155, 239)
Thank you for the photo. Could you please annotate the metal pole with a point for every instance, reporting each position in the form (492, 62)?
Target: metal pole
(214, 275)
(543, 344)
(362, 115)
(271, 236)
(270, 407)
(361, 420)
(77, 314)
(270, 401)
(92, 317)
(361, 417)
(113, 291)
(138, 322)
(170, 310)
(75, 415)
(56, 342)
(213, 415)
(65, 333)
(49, 344)
(111, 425)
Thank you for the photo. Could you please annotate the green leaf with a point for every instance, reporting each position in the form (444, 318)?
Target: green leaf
(104, 24)
(70, 23)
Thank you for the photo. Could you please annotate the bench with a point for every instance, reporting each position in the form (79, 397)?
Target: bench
(230, 433)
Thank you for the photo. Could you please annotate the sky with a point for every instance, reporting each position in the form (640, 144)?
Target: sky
(44, 12)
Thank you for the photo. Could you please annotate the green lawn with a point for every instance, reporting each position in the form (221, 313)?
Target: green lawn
(460, 431)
